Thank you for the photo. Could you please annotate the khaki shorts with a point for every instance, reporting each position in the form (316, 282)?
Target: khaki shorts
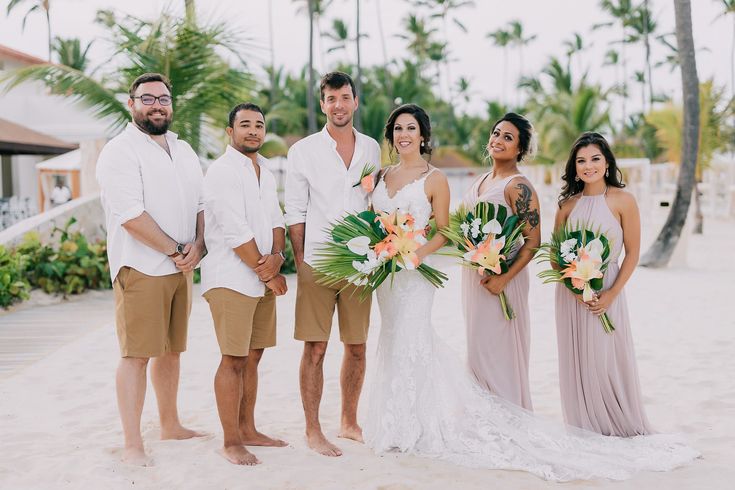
(151, 312)
(315, 308)
(242, 322)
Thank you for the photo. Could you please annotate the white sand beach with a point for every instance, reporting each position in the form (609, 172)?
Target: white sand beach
(59, 426)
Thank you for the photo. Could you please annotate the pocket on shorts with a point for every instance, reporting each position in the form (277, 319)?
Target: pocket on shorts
(122, 277)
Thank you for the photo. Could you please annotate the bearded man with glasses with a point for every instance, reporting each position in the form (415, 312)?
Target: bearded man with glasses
(151, 191)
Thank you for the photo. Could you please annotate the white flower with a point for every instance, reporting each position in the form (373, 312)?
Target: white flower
(359, 245)
(465, 227)
(569, 257)
(492, 226)
(368, 266)
(475, 227)
(595, 248)
(568, 246)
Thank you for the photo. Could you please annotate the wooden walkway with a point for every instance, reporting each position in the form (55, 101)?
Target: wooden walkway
(32, 332)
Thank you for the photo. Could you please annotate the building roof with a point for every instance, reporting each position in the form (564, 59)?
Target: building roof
(68, 161)
(20, 140)
(7, 53)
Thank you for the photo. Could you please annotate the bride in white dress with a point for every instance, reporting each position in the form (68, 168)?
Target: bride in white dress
(424, 401)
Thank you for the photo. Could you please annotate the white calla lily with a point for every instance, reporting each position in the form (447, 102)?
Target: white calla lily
(492, 226)
(594, 248)
(359, 245)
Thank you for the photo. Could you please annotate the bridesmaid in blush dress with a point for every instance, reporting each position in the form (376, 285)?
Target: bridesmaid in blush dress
(598, 377)
(498, 349)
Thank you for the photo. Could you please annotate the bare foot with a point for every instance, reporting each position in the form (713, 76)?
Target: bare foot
(255, 438)
(239, 455)
(320, 444)
(136, 456)
(353, 432)
(179, 433)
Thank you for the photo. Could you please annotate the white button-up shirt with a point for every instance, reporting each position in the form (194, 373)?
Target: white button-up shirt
(237, 209)
(135, 174)
(319, 188)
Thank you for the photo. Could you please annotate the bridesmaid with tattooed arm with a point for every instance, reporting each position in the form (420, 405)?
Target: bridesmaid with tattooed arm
(498, 349)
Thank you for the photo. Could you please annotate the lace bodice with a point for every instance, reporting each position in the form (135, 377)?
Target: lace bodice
(411, 198)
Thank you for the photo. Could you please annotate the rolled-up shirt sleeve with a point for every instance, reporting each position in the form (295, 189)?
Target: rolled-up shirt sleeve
(277, 220)
(297, 189)
(120, 180)
(223, 198)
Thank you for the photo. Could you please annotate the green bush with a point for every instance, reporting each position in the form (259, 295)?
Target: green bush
(71, 267)
(13, 286)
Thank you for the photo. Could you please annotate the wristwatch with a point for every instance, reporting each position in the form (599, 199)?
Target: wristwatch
(280, 252)
(179, 250)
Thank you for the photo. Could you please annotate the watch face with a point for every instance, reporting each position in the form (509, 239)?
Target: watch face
(180, 248)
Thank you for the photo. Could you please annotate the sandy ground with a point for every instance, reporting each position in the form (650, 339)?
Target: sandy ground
(59, 426)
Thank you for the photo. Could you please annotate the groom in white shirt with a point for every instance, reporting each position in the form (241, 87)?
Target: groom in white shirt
(323, 170)
(245, 236)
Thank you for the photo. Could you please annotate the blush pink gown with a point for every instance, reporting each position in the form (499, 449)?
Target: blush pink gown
(598, 376)
(497, 349)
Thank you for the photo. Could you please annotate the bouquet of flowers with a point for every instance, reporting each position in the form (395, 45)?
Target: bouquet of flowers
(367, 181)
(367, 247)
(484, 237)
(581, 257)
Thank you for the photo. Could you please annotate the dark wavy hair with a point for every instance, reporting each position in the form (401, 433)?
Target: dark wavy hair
(525, 133)
(613, 177)
(424, 125)
(336, 80)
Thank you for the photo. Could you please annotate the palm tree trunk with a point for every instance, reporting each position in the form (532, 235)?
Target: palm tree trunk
(732, 59)
(662, 249)
(358, 82)
(647, 42)
(272, 92)
(388, 77)
(48, 33)
(310, 106)
(625, 76)
(190, 11)
(698, 216)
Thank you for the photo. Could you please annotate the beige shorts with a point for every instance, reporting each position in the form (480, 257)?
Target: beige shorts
(151, 312)
(315, 305)
(242, 322)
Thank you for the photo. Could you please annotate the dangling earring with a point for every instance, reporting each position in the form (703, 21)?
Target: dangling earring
(423, 143)
(576, 178)
(607, 172)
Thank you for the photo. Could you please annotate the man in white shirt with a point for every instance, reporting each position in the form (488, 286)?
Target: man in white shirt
(60, 194)
(150, 185)
(245, 235)
(320, 187)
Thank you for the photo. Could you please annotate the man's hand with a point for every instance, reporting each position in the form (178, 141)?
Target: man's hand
(277, 285)
(268, 266)
(193, 253)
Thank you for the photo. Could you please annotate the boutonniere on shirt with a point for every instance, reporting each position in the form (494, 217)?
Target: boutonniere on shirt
(367, 181)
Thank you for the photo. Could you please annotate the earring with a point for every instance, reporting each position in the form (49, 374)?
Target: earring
(423, 143)
(576, 178)
(607, 172)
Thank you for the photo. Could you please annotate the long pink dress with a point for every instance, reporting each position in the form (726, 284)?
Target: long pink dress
(598, 376)
(497, 349)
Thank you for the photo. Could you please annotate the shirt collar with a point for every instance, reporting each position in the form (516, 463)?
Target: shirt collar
(235, 156)
(333, 142)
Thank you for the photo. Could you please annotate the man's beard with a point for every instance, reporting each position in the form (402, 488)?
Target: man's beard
(346, 122)
(248, 149)
(144, 123)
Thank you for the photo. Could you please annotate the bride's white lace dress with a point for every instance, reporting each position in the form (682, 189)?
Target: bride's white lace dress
(424, 401)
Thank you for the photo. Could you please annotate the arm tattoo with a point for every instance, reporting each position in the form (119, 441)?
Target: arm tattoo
(523, 206)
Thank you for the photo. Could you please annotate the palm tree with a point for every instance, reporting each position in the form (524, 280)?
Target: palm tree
(420, 38)
(519, 40)
(659, 254)
(620, 11)
(574, 47)
(35, 5)
(502, 39)
(642, 25)
(204, 86)
(358, 81)
(443, 10)
(71, 54)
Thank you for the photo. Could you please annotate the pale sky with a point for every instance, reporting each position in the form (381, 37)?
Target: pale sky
(474, 56)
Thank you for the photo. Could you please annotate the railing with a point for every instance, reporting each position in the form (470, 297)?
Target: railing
(15, 209)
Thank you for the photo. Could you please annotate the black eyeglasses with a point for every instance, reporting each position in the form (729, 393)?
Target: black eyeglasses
(148, 99)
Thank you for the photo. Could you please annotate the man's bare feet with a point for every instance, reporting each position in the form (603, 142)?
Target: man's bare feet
(353, 432)
(256, 438)
(239, 455)
(320, 444)
(179, 433)
(136, 456)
